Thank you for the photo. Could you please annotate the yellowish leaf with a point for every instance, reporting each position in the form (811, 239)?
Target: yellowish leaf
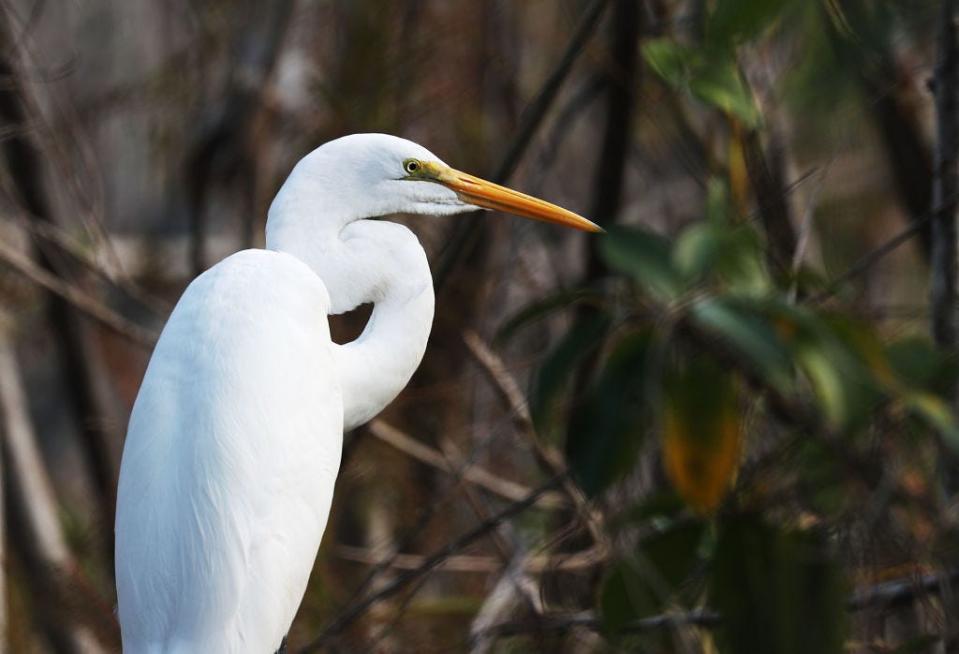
(702, 437)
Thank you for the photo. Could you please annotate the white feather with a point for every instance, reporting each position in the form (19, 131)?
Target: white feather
(230, 460)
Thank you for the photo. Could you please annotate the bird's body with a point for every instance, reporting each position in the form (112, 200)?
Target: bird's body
(219, 519)
(234, 441)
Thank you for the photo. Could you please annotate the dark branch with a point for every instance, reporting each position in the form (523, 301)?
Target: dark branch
(945, 183)
(887, 595)
(766, 179)
(464, 235)
(93, 406)
(429, 564)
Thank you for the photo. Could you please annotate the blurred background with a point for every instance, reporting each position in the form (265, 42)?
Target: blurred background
(727, 425)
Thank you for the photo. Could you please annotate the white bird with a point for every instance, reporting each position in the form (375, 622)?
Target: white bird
(234, 441)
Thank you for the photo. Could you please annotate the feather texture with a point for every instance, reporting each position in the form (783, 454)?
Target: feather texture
(230, 461)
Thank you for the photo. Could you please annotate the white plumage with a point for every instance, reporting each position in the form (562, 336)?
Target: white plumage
(220, 513)
(235, 437)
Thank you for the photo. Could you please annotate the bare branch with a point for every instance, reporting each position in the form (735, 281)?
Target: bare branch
(80, 252)
(870, 259)
(885, 595)
(503, 382)
(90, 306)
(766, 178)
(547, 457)
(36, 531)
(464, 235)
(474, 474)
(431, 562)
(466, 563)
(562, 622)
(945, 182)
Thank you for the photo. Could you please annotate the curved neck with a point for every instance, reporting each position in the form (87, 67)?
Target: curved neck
(369, 261)
(377, 366)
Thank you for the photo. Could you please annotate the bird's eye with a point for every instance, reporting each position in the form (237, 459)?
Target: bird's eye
(411, 166)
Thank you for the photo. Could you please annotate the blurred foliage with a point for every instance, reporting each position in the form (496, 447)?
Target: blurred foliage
(701, 345)
(754, 387)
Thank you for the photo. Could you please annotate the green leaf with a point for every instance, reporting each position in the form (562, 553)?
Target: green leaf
(670, 60)
(644, 584)
(918, 365)
(937, 414)
(830, 353)
(717, 81)
(718, 203)
(544, 308)
(645, 257)
(697, 250)
(671, 553)
(925, 644)
(722, 250)
(741, 265)
(582, 340)
(729, 256)
(660, 509)
(710, 75)
(623, 596)
(779, 592)
(820, 477)
(607, 427)
(734, 20)
(752, 335)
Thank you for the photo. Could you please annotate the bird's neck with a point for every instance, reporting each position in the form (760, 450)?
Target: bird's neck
(379, 262)
(377, 366)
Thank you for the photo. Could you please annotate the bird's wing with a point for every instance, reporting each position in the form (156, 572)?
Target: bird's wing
(230, 460)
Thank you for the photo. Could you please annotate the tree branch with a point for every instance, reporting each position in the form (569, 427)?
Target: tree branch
(945, 183)
(87, 304)
(885, 595)
(94, 406)
(505, 488)
(548, 457)
(466, 563)
(464, 235)
(350, 614)
(766, 178)
(34, 521)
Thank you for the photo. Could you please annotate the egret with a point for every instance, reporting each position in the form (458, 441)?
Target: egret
(234, 441)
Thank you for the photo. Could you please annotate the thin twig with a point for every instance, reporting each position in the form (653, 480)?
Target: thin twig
(468, 563)
(429, 564)
(34, 521)
(766, 179)
(503, 381)
(465, 232)
(89, 305)
(897, 592)
(945, 182)
(80, 252)
(536, 111)
(870, 259)
(562, 622)
(474, 474)
(507, 550)
(547, 457)
(884, 595)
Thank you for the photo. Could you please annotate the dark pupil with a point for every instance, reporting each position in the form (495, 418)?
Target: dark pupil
(411, 166)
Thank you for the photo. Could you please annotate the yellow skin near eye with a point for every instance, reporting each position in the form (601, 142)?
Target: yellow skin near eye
(421, 170)
(488, 195)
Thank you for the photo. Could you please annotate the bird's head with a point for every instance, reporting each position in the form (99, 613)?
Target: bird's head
(367, 175)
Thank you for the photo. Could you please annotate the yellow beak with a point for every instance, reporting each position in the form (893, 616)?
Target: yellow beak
(499, 198)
